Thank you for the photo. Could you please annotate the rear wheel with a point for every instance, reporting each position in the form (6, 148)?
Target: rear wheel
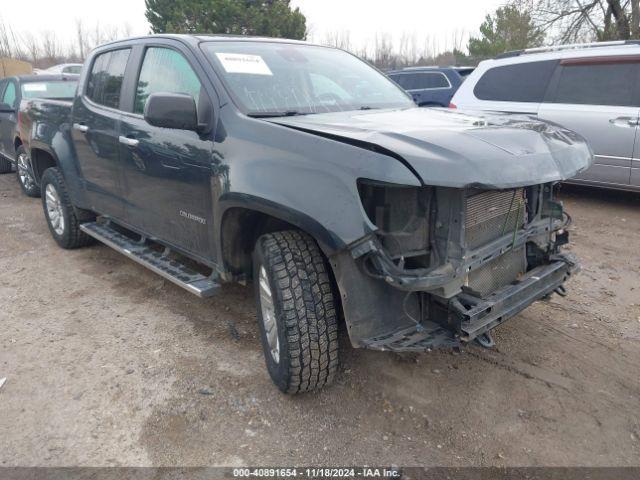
(25, 175)
(62, 217)
(296, 311)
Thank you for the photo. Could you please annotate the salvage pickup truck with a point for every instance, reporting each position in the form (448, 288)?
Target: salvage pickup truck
(13, 91)
(303, 170)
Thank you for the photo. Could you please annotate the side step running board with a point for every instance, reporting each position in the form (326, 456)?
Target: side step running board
(170, 269)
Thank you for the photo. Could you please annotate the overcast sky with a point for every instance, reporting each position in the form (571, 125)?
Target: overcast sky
(438, 21)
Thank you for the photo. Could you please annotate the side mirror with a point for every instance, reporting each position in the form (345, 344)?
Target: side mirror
(171, 110)
(6, 108)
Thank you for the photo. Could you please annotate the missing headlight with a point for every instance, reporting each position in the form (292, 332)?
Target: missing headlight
(401, 215)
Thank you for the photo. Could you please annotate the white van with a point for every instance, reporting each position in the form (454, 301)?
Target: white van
(592, 89)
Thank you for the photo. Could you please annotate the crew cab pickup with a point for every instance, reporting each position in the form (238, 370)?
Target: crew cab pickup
(13, 91)
(302, 170)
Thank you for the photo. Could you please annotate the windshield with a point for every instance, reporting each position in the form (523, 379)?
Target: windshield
(288, 79)
(50, 89)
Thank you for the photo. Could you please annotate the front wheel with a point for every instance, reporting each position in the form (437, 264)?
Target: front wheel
(62, 218)
(296, 311)
(25, 175)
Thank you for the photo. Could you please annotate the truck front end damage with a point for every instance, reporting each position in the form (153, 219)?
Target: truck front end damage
(446, 265)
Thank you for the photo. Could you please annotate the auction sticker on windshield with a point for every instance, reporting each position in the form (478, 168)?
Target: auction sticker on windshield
(241, 63)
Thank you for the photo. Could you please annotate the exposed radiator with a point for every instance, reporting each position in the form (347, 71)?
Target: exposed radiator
(498, 272)
(493, 213)
(490, 215)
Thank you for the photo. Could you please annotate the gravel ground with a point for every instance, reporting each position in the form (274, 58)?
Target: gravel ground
(108, 364)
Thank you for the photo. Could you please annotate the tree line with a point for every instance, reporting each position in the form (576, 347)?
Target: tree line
(517, 25)
(45, 49)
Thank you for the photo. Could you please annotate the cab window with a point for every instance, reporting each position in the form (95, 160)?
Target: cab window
(104, 85)
(165, 70)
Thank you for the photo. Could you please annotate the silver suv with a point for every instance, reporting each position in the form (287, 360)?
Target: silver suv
(593, 89)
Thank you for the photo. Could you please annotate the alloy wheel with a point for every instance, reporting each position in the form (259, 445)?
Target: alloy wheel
(269, 315)
(54, 209)
(24, 171)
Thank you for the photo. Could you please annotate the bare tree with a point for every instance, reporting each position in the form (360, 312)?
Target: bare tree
(82, 39)
(9, 47)
(382, 54)
(31, 46)
(339, 39)
(584, 20)
(51, 48)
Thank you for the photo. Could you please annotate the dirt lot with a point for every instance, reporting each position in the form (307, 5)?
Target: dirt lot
(108, 364)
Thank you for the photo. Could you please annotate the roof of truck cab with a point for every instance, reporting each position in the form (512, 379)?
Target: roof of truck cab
(198, 38)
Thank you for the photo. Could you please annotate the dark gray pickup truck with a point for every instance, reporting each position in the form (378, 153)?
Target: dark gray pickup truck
(304, 170)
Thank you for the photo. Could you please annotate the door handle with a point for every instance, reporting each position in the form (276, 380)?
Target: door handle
(81, 128)
(624, 122)
(129, 142)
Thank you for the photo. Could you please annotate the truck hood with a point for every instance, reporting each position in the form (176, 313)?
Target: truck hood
(458, 149)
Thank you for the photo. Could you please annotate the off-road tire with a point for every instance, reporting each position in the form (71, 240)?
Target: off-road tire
(305, 311)
(32, 190)
(5, 165)
(71, 237)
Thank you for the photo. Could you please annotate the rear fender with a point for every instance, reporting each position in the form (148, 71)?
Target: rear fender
(59, 153)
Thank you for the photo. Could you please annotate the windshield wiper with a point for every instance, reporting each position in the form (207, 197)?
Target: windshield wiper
(287, 113)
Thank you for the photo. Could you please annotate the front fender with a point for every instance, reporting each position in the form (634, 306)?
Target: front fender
(302, 178)
(327, 240)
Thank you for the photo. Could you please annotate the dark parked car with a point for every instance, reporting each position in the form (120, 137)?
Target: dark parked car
(304, 170)
(12, 91)
(431, 86)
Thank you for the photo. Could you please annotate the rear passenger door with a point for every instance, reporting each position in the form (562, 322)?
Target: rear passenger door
(96, 126)
(598, 98)
(168, 171)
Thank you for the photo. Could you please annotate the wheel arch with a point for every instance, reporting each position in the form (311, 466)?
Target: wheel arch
(244, 219)
(41, 159)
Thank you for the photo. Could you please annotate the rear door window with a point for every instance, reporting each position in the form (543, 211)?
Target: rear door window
(597, 84)
(522, 82)
(421, 80)
(104, 85)
(165, 70)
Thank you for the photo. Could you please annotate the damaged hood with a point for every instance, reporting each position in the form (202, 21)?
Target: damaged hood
(459, 149)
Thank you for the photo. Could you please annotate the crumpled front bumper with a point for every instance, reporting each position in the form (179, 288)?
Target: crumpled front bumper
(418, 321)
(479, 315)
